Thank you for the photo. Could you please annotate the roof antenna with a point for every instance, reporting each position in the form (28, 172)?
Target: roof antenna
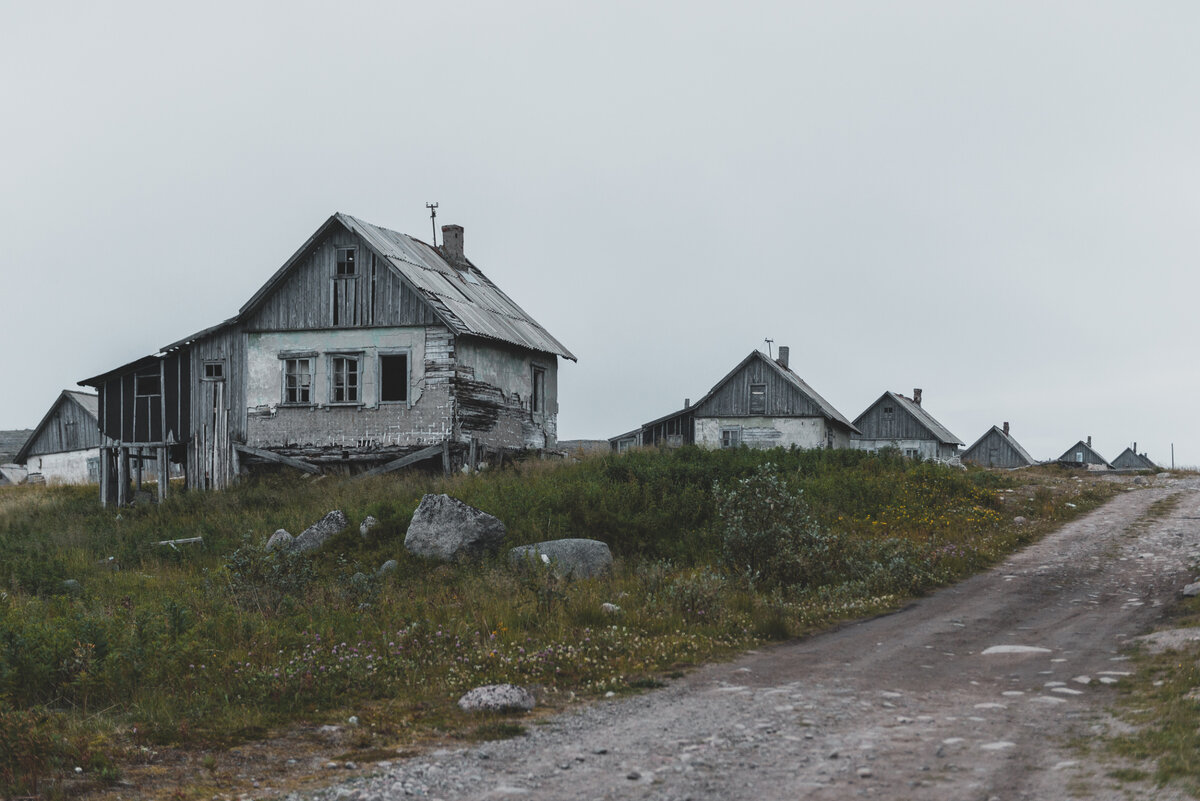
(768, 340)
(433, 220)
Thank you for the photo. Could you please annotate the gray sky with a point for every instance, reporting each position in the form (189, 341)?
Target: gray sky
(995, 202)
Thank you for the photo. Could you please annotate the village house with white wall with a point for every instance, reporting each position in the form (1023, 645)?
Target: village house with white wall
(367, 349)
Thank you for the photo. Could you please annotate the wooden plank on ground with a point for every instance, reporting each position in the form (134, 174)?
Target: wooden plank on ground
(271, 456)
(405, 461)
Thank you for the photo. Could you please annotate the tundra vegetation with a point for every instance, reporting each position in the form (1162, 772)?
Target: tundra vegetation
(115, 650)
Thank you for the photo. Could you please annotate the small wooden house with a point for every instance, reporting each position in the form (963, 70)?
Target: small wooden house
(1082, 454)
(366, 349)
(761, 403)
(1130, 459)
(997, 448)
(899, 422)
(64, 447)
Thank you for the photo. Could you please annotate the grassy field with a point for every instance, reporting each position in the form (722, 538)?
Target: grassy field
(113, 648)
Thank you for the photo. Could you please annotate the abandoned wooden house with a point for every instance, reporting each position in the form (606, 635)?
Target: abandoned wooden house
(1081, 454)
(64, 448)
(997, 448)
(1130, 459)
(902, 423)
(761, 403)
(367, 349)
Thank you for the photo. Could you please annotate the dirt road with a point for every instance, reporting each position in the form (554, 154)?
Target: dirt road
(972, 693)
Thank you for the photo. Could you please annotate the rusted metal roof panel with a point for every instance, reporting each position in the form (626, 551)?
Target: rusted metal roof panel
(462, 294)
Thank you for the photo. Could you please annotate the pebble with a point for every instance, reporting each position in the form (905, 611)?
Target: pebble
(633, 775)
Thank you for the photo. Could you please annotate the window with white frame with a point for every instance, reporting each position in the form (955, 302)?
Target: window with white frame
(393, 378)
(344, 378)
(297, 380)
(731, 436)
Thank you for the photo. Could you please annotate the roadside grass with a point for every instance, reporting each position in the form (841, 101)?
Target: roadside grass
(206, 646)
(1162, 703)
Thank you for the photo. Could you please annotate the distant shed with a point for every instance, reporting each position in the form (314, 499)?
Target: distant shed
(1082, 453)
(1130, 459)
(900, 422)
(64, 448)
(997, 448)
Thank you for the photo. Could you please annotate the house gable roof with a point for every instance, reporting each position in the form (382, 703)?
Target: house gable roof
(1129, 459)
(460, 295)
(826, 408)
(1082, 446)
(1008, 438)
(918, 413)
(88, 402)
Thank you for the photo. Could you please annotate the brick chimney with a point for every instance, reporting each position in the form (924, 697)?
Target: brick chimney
(452, 242)
(917, 395)
(784, 352)
(1006, 427)
(1135, 449)
(687, 403)
(1089, 440)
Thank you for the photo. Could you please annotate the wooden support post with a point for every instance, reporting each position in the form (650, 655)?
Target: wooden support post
(104, 476)
(446, 456)
(471, 463)
(163, 473)
(122, 476)
(138, 472)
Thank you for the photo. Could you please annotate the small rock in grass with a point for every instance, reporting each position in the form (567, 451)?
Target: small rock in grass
(315, 535)
(72, 586)
(609, 609)
(281, 540)
(1020, 520)
(367, 524)
(497, 698)
(390, 566)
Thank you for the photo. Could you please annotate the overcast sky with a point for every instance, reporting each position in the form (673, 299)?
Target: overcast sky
(996, 202)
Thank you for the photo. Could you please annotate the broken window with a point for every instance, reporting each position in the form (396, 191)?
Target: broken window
(297, 381)
(214, 371)
(393, 377)
(344, 379)
(538, 398)
(758, 399)
(146, 385)
(731, 436)
(346, 261)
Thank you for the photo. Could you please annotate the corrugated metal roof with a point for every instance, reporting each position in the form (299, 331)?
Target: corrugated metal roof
(466, 300)
(89, 401)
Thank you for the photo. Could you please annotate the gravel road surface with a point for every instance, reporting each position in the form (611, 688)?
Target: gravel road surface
(972, 693)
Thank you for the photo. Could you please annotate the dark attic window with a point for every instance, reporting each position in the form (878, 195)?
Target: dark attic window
(758, 399)
(145, 385)
(346, 261)
(214, 371)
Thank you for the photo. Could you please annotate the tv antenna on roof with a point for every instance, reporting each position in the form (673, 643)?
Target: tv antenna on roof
(768, 340)
(433, 207)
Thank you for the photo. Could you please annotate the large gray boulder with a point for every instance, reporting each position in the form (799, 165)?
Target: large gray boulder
(446, 529)
(569, 558)
(497, 698)
(315, 535)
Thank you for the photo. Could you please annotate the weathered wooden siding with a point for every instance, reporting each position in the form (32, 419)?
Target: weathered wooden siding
(309, 294)
(732, 399)
(70, 427)
(218, 408)
(993, 450)
(875, 423)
